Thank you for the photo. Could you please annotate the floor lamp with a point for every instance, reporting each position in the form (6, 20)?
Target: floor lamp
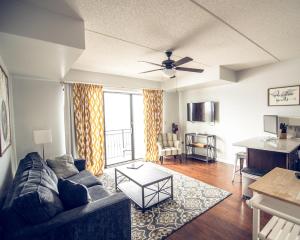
(42, 137)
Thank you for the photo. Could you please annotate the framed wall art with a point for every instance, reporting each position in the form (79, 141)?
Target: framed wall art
(5, 133)
(284, 96)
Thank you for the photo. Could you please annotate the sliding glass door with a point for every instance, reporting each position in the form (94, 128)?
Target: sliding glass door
(124, 127)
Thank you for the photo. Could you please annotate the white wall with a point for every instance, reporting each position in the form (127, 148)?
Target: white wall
(170, 110)
(8, 160)
(241, 105)
(110, 81)
(38, 105)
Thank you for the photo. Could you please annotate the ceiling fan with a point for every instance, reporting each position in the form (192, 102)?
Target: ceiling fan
(169, 66)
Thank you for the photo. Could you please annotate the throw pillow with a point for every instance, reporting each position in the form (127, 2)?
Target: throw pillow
(72, 194)
(63, 166)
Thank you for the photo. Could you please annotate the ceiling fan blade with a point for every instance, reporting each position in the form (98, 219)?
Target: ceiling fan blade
(183, 61)
(152, 70)
(197, 70)
(152, 63)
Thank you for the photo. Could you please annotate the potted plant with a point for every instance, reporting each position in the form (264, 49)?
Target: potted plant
(174, 128)
(283, 128)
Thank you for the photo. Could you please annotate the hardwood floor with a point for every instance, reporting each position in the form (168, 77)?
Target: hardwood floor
(230, 219)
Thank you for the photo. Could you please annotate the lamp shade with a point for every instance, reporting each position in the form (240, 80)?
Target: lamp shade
(42, 136)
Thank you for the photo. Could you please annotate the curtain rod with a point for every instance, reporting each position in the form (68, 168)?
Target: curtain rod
(109, 86)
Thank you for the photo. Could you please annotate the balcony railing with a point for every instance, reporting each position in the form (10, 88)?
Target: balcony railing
(118, 146)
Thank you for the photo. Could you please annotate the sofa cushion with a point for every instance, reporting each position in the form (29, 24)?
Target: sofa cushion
(72, 194)
(35, 177)
(63, 166)
(32, 160)
(38, 204)
(85, 178)
(10, 218)
(33, 196)
(51, 173)
(36, 196)
(97, 192)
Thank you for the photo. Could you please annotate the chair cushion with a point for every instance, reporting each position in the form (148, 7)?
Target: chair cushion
(85, 178)
(97, 192)
(167, 139)
(63, 166)
(72, 194)
(170, 151)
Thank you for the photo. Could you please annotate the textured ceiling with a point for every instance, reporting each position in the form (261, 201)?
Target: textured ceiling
(238, 34)
(273, 24)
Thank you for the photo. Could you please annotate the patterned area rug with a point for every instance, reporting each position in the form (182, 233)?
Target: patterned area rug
(191, 199)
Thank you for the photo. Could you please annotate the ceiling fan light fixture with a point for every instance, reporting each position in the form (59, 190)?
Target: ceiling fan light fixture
(169, 67)
(169, 72)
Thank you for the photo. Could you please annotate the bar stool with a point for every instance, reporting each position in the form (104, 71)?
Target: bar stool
(240, 156)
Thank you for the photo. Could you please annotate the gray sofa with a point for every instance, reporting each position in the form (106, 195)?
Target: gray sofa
(32, 208)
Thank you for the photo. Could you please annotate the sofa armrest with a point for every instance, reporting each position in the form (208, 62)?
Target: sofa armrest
(80, 164)
(107, 218)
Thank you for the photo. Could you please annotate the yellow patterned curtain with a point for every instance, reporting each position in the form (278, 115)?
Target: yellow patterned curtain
(153, 104)
(89, 125)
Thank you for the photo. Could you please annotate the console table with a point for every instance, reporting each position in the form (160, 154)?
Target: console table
(207, 142)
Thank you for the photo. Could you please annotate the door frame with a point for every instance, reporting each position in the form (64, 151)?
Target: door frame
(131, 126)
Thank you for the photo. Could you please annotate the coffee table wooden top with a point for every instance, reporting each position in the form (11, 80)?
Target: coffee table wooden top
(279, 183)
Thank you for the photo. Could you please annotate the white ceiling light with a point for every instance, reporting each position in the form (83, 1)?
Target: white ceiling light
(169, 72)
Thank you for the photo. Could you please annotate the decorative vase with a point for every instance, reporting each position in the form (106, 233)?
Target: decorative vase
(283, 136)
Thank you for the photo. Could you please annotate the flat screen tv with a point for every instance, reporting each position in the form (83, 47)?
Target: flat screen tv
(201, 112)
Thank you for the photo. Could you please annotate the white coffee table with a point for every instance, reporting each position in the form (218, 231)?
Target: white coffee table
(145, 186)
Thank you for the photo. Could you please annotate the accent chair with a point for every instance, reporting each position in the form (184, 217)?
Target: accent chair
(168, 145)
